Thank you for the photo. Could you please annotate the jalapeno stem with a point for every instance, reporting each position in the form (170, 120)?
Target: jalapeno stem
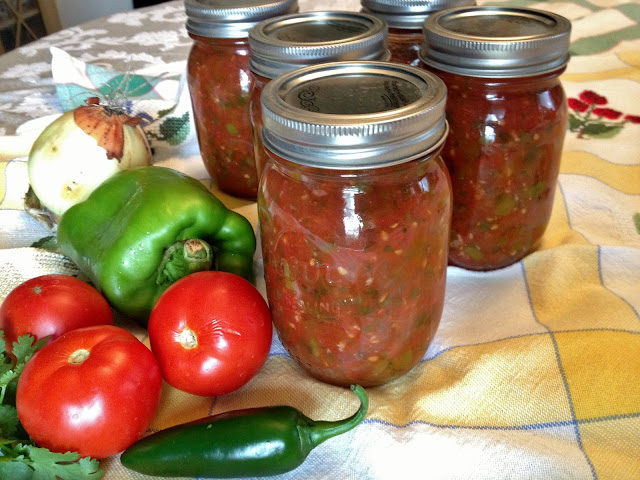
(319, 431)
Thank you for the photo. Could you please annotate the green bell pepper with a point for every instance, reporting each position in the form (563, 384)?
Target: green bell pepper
(144, 228)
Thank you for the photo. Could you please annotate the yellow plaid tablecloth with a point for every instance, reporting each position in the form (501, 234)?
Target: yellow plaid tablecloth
(535, 370)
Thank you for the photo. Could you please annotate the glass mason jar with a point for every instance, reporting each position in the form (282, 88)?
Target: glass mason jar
(282, 44)
(507, 113)
(220, 81)
(354, 210)
(405, 19)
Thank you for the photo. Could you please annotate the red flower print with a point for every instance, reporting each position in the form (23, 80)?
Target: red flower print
(608, 113)
(592, 98)
(590, 118)
(577, 105)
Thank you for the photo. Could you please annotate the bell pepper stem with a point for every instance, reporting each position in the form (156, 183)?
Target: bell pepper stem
(182, 258)
(319, 431)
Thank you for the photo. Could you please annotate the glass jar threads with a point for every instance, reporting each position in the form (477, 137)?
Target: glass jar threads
(220, 81)
(507, 113)
(354, 209)
(282, 44)
(405, 19)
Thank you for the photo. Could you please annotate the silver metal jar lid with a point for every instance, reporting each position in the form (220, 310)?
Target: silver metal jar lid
(409, 14)
(495, 41)
(284, 43)
(232, 18)
(354, 115)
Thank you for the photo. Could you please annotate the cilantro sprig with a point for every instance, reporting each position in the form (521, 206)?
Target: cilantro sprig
(20, 458)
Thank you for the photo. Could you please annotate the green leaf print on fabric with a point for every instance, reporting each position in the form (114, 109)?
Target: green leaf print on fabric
(173, 130)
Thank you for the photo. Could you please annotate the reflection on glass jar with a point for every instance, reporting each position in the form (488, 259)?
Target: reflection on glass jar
(354, 220)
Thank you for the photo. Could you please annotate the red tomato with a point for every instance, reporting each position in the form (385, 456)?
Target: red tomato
(94, 390)
(51, 305)
(210, 332)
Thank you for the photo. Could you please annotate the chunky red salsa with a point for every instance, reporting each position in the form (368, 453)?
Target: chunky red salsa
(220, 86)
(355, 265)
(503, 153)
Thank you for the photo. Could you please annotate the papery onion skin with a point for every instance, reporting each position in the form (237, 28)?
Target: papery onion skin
(66, 164)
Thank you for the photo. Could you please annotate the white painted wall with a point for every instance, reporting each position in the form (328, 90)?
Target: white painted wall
(73, 12)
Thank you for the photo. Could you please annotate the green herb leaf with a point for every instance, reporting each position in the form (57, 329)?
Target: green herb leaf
(15, 471)
(24, 349)
(6, 373)
(49, 465)
(9, 423)
(21, 461)
(7, 377)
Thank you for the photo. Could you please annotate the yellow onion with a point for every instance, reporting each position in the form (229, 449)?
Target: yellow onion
(80, 150)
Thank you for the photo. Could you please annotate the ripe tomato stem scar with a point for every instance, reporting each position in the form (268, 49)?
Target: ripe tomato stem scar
(78, 356)
(188, 339)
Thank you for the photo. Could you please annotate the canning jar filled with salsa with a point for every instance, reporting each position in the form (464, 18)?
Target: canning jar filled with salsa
(220, 81)
(405, 19)
(354, 209)
(280, 45)
(507, 113)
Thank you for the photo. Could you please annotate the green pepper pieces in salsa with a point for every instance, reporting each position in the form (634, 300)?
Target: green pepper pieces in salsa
(220, 86)
(503, 154)
(355, 264)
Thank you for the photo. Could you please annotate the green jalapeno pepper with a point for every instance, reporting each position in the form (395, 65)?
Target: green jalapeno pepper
(144, 228)
(241, 443)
